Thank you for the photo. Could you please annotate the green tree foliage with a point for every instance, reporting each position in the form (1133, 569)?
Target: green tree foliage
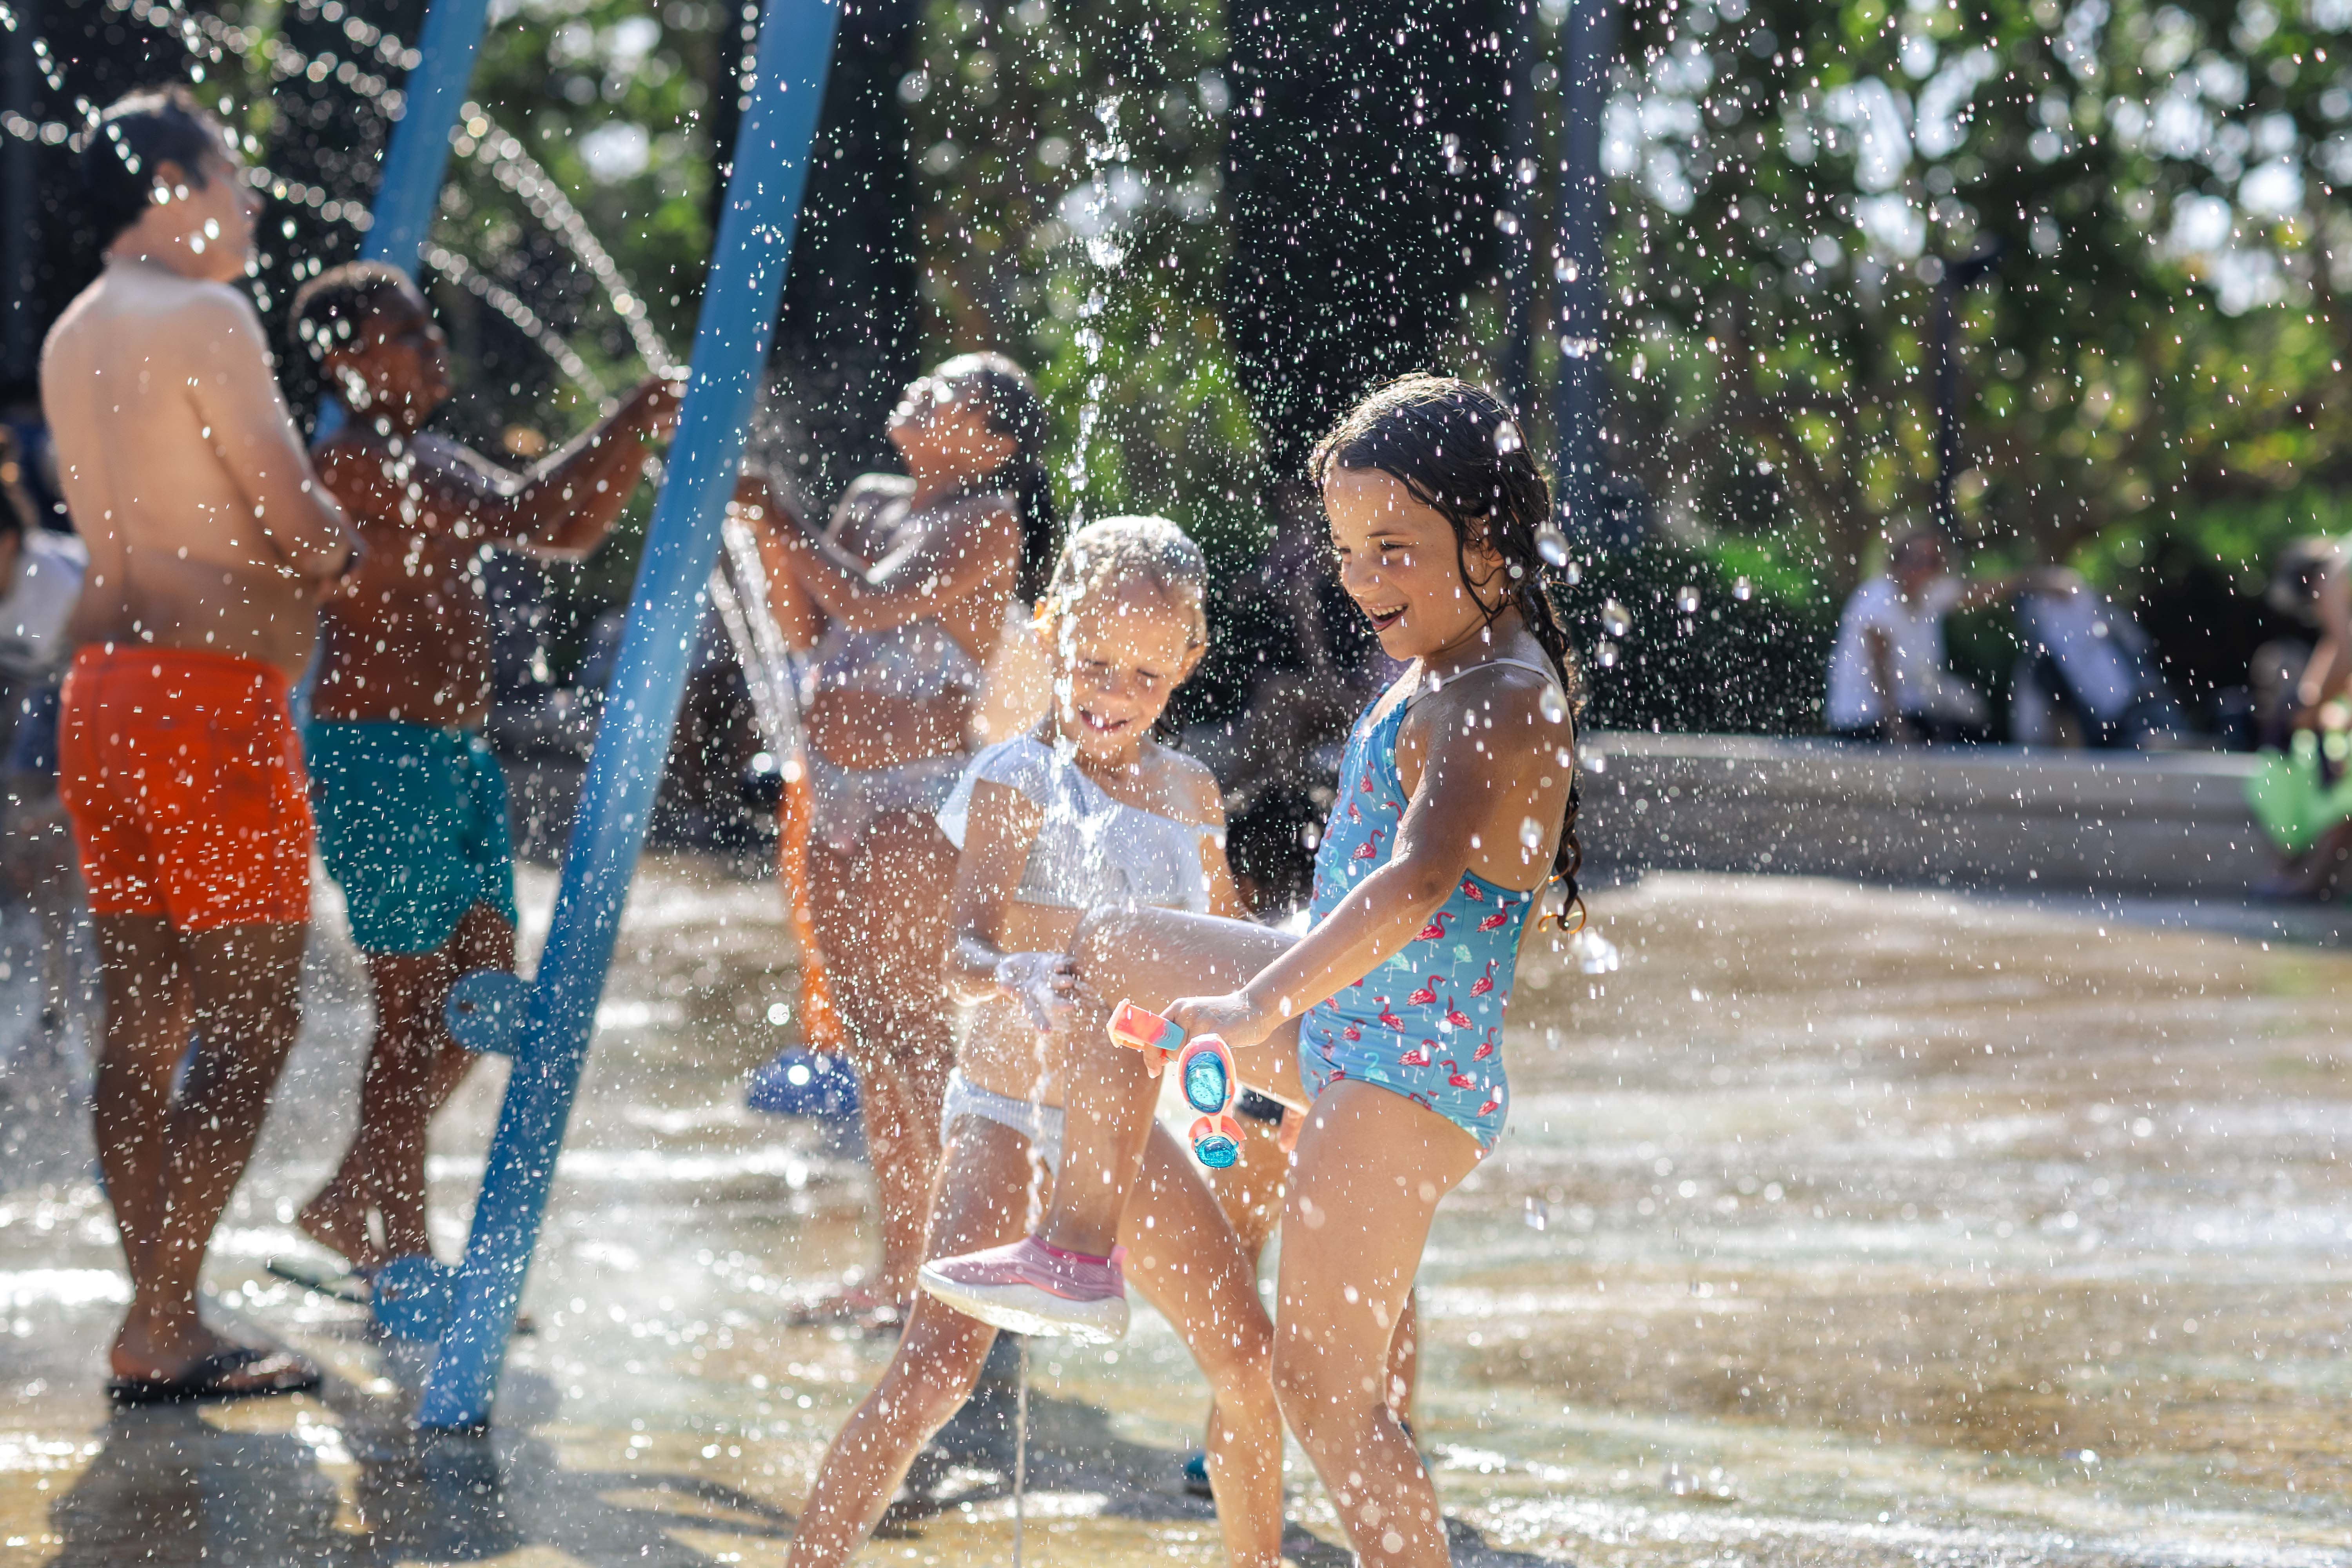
(2160, 345)
(1071, 200)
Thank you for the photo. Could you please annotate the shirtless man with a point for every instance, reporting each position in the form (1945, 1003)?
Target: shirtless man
(411, 804)
(210, 545)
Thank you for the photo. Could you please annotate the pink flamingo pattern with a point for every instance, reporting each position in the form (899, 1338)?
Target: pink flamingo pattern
(1452, 983)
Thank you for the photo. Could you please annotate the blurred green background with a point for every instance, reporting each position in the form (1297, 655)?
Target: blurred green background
(1205, 225)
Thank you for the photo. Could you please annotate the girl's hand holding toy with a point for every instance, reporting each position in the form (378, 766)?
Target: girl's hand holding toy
(1204, 1073)
(1237, 1018)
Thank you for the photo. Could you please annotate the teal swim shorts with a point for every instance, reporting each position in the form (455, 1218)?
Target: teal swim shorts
(413, 828)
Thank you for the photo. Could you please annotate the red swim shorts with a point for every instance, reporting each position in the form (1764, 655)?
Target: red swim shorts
(182, 774)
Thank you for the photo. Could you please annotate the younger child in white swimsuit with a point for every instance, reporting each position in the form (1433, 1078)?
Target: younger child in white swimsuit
(1084, 812)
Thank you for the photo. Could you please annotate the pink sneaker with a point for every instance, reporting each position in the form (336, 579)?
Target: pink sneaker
(1031, 1288)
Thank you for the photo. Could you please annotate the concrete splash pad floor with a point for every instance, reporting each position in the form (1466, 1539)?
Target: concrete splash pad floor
(1840, 1226)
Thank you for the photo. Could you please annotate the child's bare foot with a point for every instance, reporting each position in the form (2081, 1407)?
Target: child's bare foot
(339, 1222)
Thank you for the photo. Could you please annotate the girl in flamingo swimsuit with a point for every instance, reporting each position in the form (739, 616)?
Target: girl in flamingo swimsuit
(1461, 779)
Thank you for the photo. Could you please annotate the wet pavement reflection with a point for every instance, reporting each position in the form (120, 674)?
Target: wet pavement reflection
(1840, 1226)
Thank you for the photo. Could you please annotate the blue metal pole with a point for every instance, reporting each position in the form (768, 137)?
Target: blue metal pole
(739, 312)
(410, 189)
(1587, 50)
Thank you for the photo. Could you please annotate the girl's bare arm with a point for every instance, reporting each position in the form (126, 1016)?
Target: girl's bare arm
(999, 828)
(949, 561)
(1476, 785)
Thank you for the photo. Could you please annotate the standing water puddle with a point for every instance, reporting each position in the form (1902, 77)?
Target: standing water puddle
(1840, 1226)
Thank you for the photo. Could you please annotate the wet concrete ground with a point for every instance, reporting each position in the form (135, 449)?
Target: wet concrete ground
(1840, 1226)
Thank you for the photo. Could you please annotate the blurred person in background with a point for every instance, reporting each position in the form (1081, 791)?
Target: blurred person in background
(901, 605)
(411, 804)
(2275, 675)
(40, 582)
(2086, 674)
(1889, 680)
(2303, 797)
(41, 572)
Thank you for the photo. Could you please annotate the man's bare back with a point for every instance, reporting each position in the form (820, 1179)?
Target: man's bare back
(184, 472)
(210, 541)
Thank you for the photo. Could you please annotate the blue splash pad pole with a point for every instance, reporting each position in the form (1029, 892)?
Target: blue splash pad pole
(730, 349)
(410, 189)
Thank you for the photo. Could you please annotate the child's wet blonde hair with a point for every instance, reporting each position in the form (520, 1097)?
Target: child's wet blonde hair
(1103, 555)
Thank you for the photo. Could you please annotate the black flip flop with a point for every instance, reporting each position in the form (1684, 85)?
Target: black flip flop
(208, 1380)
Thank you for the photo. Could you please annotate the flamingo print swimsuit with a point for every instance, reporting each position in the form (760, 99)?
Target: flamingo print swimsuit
(1428, 1024)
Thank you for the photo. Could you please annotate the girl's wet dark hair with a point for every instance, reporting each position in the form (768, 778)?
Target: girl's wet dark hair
(1010, 398)
(116, 158)
(1457, 450)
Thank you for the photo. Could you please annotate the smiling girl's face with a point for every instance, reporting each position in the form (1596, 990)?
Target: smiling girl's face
(1121, 654)
(1397, 561)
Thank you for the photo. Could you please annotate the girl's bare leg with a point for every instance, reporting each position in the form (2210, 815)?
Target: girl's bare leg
(881, 919)
(1250, 1193)
(1371, 1168)
(1195, 1274)
(1183, 1256)
(984, 1201)
(1153, 956)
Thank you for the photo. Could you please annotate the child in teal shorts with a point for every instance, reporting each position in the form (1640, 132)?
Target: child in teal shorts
(411, 806)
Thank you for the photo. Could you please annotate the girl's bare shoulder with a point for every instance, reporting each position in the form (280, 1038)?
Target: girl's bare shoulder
(1519, 707)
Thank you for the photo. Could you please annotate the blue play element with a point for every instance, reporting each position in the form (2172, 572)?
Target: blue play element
(1207, 1080)
(797, 1082)
(739, 312)
(484, 1011)
(410, 191)
(411, 1298)
(1216, 1151)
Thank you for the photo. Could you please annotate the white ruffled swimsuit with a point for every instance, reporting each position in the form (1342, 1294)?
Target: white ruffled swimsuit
(1091, 850)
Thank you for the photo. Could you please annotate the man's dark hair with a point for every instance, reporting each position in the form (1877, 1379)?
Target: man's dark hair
(329, 309)
(118, 156)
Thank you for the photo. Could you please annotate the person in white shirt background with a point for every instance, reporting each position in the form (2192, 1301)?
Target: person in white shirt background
(40, 581)
(1888, 678)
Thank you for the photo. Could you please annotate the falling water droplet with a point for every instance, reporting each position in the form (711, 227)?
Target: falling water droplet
(1552, 545)
(1686, 600)
(1507, 440)
(1553, 707)
(1743, 590)
(1604, 654)
(1530, 835)
(1573, 573)
(1613, 618)
(1594, 953)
